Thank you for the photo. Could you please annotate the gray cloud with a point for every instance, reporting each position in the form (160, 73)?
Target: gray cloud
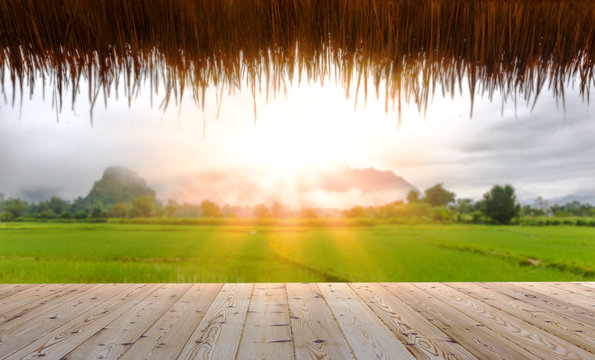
(543, 152)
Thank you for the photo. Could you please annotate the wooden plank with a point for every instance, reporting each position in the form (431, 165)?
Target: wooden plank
(482, 342)
(267, 332)
(70, 334)
(545, 302)
(116, 337)
(316, 334)
(535, 340)
(168, 335)
(27, 312)
(590, 284)
(30, 295)
(558, 292)
(367, 336)
(570, 330)
(423, 340)
(576, 288)
(14, 337)
(218, 333)
(10, 289)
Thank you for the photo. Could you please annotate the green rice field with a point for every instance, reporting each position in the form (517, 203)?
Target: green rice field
(54, 252)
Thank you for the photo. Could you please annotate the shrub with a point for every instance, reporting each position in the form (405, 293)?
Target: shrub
(47, 214)
(82, 214)
(6, 216)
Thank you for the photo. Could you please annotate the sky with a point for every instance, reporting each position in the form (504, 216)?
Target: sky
(308, 147)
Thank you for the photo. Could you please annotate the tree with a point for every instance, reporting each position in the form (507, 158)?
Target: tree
(500, 204)
(463, 206)
(413, 197)
(6, 216)
(357, 211)
(438, 196)
(16, 207)
(261, 211)
(308, 213)
(119, 210)
(143, 206)
(57, 205)
(170, 209)
(277, 210)
(78, 205)
(210, 209)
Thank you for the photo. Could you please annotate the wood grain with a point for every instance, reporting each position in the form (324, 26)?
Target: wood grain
(575, 288)
(423, 340)
(534, 339)
(482, 342)
(10, 289)
(59, 341)
(218, 333)
(564, 328)
(298, 321)
(111, 341)
(168, 335)
(267, 331)
(30, 295)
(315, 332)
(364, 331)
(562, 307)
(13, 338)
(35, 309)
(558, 292)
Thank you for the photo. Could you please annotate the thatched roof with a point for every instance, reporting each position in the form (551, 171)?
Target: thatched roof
(407, 47)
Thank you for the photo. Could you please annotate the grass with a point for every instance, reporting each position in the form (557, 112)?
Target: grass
(53, 252)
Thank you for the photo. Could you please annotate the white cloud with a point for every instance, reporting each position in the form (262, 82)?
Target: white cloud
(544, 152)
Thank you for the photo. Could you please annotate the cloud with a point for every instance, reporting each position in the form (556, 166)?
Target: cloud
(366, 180)
(341, 187)
(544, 152)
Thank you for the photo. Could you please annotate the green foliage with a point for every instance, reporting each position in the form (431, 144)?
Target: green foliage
(308, 213)
(501, 204)
(16, 207)
(356, 212)
(6, 216)
(420, 210)
(118, 210)
(118, 185)
(81, 214)
(210, 209)
(143, 206)
(47, 214)
(438, 196)
(261, 212)
(170, 209)
(413, 197)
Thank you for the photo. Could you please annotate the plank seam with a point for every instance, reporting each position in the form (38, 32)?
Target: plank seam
(148, 327)
(512, 341)
(244, 322)
(57, 325)
(290, 327)
(387, 325)
(190, 333)
(336, 321)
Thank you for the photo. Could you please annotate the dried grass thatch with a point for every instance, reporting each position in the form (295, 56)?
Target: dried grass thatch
(407, 47)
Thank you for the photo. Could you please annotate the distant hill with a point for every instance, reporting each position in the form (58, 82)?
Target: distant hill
(118, 184)
(367, 180)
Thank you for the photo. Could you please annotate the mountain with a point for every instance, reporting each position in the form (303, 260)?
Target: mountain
(118, 184)
(366, 180)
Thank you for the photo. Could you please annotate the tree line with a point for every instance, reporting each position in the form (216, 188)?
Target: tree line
(498, 205)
